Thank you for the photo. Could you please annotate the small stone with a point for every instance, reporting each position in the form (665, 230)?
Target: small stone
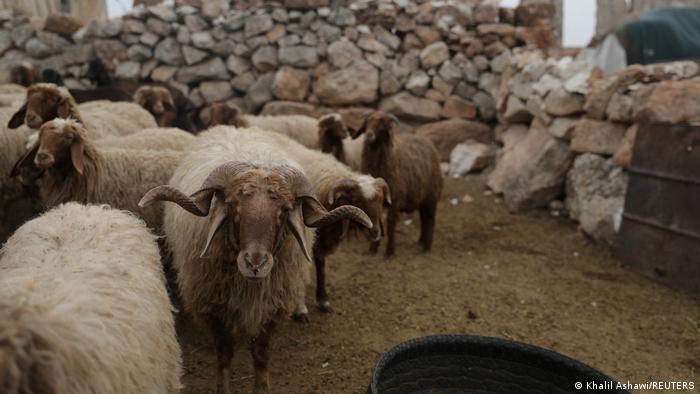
(450, 73)
(291, 84)
(258, 24)
(563, 128)
(341, 53)
(265, 58)
(559, 102)
(158, 27)
(418, 82)
(434, 54)
(163, 73)
(128, 70)
(342, 17)
(213, 68)
(406, 105)
(357, 83)
(485, 104)
(298, 56)
(139, 53)
(213, 91)
(623, 155)
(237, 65)
(516, 112)
(168, 51)
(202, 40)
(260, 91)
(470, 156)
(243, 82)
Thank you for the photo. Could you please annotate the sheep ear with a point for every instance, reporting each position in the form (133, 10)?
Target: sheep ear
(64, 110)
(26, 160)
(219, 216)
(296, 226)
(18, 118)
(77, 155)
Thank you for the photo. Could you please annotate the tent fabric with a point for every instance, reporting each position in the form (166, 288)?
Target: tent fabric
(662, 35)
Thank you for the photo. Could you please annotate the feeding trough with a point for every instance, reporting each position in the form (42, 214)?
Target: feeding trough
(475, 364)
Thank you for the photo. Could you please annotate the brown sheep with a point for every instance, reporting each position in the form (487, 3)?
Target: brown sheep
(167, 105)
(45, 102)
(24, 74)
(410, 165)
(222, 113)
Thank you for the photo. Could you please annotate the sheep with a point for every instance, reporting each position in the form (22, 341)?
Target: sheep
(410, 165)
(101, 118)
(74, 168)
(221, 113)
(241, 267)
(335, 185)
(23, 74)
(301, 128)
(169, 107)
(333, 138)
(159, 138)
(83, 307)
(12, 95)
(16, 205)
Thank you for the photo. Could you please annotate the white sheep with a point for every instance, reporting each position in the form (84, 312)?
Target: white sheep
(74, 168)
(335, 184)
(301, 128)
(46, 101)
(161, 138)
(242, 267)
(83, 307)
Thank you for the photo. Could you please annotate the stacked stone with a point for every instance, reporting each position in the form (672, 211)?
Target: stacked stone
(422, 61)
(568, 131)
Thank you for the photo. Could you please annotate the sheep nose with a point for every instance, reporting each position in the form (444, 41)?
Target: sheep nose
(43, 159)
(158, 109)
(255, 260)
(32, 120)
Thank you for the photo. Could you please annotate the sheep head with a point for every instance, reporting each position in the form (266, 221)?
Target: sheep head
(379, 127)
(331, 132)
(369, 194)
(45, 101)
(158, 101)
(61, 143)
(23, 74)
(223, 113)
(257, 205)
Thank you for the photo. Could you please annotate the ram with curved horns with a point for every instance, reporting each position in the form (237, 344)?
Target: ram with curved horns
(242, 268)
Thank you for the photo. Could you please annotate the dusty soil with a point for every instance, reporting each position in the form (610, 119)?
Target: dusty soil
(527, 277)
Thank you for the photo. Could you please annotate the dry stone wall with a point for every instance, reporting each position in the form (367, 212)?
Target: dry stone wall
(567, 132)
(424, 61)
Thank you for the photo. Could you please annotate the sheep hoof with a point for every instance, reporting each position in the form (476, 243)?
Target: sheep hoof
(389, 256)
(301, 317)
(325, 307)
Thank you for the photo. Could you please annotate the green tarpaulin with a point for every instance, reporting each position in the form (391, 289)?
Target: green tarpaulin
(662, 35)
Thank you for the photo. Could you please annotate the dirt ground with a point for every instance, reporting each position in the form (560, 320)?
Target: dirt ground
(528, 277)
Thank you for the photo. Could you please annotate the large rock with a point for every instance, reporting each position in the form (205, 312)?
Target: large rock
(470, 156)
(355, 84)
(168, 51)
(291, 84)
(669, 102)
(559, 102)
(298, 56)
(457, 107)
(597, 136)
(595, 196)
(447, 134)
(406, 105)
(213, 68)
(532, 173)
(434, 54)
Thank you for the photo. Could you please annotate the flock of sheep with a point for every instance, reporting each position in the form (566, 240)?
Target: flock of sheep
(84, 303)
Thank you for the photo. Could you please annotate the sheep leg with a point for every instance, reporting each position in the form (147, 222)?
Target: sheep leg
(427, 225)
(301, 312)
(392, 216)
(321, 297)
(224, 344)
(374, 247)
(259, 350)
